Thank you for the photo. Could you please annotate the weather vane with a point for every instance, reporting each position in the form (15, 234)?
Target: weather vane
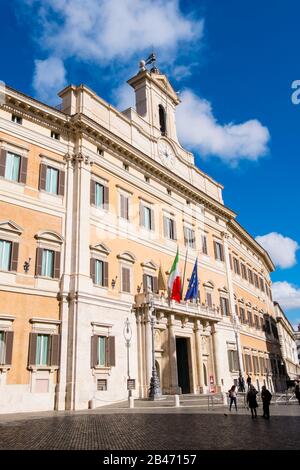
(150, 60)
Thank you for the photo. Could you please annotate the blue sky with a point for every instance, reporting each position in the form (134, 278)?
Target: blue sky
(233, 63)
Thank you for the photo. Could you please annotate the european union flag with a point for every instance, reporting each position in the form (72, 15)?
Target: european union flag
(192, 292)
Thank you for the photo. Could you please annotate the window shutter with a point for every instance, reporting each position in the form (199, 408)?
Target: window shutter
(230, 362)
(215, 249)
(235, 360)
(23, 170)
(105, 197)
(32, 349)
(94, 350)
(43, 175)
(230, 261)
(38, 261)
(55, 350)
(155, 284)
(61, 183)
(142, 215)
(222, 305)
(185, 234)
(105, 273)
(56, 264)
(111, 351)
(93, 192)
(9, 336)
(152, 220)
(174, 230)
(14, 256)
(227, 307)
(145, 283)
(209, 299)
(125, 280)
(222, 252)
(93, 269)
(2, 162)
(165, 219)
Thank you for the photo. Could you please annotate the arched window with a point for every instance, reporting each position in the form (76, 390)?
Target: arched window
(162, 120)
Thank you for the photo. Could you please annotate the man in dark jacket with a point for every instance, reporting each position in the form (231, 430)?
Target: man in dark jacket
(248, 381)
(266, 397)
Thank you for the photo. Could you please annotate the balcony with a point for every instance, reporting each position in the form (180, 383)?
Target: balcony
(160, 302)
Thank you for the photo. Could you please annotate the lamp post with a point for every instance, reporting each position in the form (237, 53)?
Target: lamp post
(236, 332)
(128, 335)
(154, 391)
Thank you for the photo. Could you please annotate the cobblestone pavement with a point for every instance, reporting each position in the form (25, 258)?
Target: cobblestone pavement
(152, 429)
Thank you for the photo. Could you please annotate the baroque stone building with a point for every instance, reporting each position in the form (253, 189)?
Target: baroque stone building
(93, 204)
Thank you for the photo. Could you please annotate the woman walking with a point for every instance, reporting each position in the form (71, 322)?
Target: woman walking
(251, 400)
(232, 396)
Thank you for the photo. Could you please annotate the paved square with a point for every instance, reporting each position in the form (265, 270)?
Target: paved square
(152, 429)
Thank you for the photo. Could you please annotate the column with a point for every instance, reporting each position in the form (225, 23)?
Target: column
(217, 357)
(139, 353)
(173, 374)
(235, 318)
(199, 359)
(148, 348)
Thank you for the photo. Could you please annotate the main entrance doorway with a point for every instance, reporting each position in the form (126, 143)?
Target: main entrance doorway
(183, 364)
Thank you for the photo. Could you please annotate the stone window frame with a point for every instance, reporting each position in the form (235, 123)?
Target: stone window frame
(49, 240)
(57, 165)
(18, 150)
(126, 260)
(209, 287)
(150, 268)
(129, 195)
(10, 232)
(100, 252)
(6, 325)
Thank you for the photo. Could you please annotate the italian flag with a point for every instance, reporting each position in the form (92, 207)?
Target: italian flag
(174, 283)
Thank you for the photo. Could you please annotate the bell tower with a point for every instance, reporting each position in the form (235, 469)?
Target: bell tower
(155, 101)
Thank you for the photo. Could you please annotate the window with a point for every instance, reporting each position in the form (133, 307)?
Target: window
(125, 166)
(255, 365)
(100, 151)
(12, 168)
(262, 365)
(48, 263)
(147, 179)
(150, 283)
(6, 344)
(99, 195)
(243, 271)
(102, 350)
(248, 363)
(262, 325)
(2, 348)
(242, 315)
(236, 265)
(125, 279)
(146, 217)
(169, 192)
(250, 276)
(52, 180)
(16, 119)
(233, 361)
(99, 272)
(219, 255)
(162, 120)
(55, 135)
(256, 321)
(124, 206)
(209, 299)
(42, 348)
(204, 244)
(224, 306)
(249, 318)
(262, 284)
(5, 255)
(256, 280)
(169, 228)
(102, 385)
(189, 237)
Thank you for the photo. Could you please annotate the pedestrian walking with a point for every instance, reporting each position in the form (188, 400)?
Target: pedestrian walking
(232, 395)
(297, 391)
(248, 381)
(266, 397)
(241, 383)
(251, 400)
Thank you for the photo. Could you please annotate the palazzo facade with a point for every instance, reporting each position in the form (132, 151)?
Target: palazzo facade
(93, 205)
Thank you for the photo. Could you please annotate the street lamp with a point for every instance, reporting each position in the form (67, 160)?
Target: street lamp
(236, 332)
(128, 335)
(154, 391)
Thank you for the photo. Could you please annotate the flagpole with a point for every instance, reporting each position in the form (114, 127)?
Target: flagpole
(186, 254)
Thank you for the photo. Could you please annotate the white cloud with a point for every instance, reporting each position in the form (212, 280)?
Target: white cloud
(282, 250)
(102, 30)
(124, 97)
(286, 294)
(199, 129)
(49, 78)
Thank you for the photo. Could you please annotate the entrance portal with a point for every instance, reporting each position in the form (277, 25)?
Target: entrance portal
(183, 364)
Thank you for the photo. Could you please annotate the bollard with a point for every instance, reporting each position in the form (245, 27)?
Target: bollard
(177, 402)
(131, 402)
(92, 404)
